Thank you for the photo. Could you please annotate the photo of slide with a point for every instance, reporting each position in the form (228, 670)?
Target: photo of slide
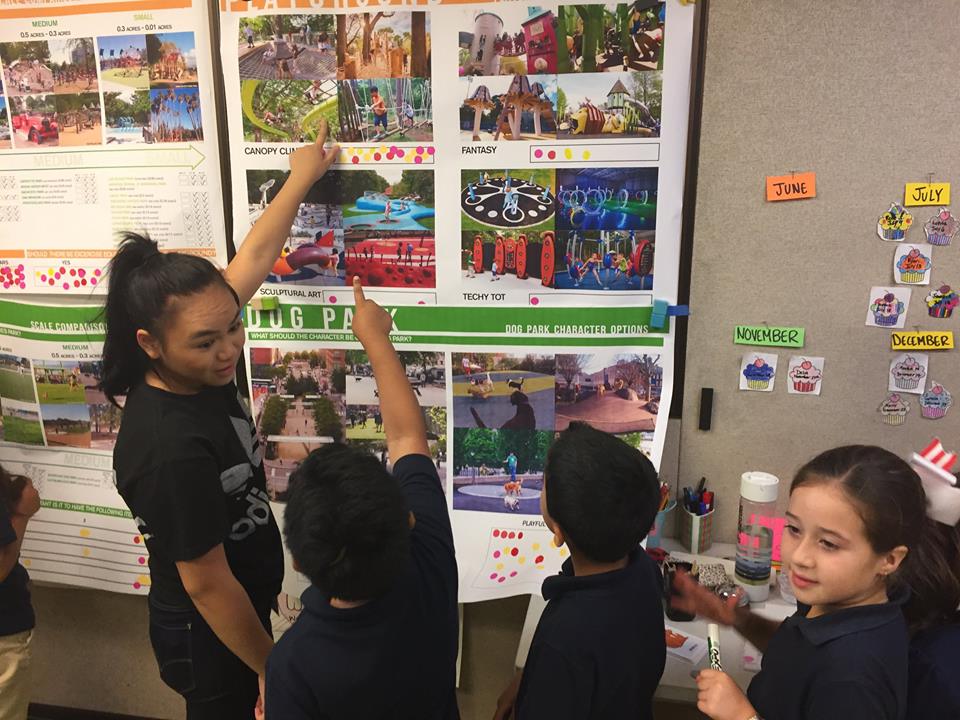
(288, 110)
(609, 106)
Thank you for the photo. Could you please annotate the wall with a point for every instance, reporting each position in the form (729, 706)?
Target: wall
(855, 91)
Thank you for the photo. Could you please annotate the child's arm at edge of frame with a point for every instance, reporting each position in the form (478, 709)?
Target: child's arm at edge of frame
(402, 417)
(262, 245)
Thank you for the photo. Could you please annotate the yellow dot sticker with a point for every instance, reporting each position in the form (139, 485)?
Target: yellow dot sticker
(499, 566)
(535, 546)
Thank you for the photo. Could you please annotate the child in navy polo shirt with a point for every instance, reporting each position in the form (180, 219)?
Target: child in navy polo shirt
(599, 648)
(19, 502)
(377, 637)
(856, 543)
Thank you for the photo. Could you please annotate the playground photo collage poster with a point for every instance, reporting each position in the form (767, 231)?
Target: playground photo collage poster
(110, 90)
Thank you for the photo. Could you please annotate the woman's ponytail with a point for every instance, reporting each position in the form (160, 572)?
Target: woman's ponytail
(141, 282)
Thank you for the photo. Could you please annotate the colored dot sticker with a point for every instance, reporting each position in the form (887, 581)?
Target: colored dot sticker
(496, 553)
(137, 539)
(568, 153)
(513, 573)
(538, 559)
(501, 579)
(515, 552)
(144, 580)
(521, 559)
(586, 154)
(520, 536)
(493, 576)
(355, 159)
(563, 552)
(499, 566)
(552, 154)
(512, 535)
(333, 299)
(86, 552)
(431, 150)
(136, 586)
(142, 560)
(417, 161)
(534, 300)
(535, 546)
(25, 562)
(538, 153)
(84, 532)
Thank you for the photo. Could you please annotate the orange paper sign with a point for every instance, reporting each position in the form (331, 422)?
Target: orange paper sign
(792, 187)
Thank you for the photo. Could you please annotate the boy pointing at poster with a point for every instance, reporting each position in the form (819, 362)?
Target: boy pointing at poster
(377, 637)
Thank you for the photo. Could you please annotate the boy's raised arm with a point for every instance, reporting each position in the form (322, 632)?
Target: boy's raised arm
(402, 417)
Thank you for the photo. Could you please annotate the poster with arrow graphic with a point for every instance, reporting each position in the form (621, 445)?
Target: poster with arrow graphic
(107, 119)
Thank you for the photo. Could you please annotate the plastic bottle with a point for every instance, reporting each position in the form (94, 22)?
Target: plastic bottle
(758, 500)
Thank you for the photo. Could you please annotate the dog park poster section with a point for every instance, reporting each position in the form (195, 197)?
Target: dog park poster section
(494, 384)
(59, 430)
(107, 124)
(492, 153)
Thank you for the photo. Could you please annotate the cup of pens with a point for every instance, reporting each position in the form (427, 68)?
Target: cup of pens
(696, 518)
(664, 514)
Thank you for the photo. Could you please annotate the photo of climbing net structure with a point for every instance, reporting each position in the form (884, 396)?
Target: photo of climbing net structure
(400, 109)
(288, 110)
(507, 200)
(287, 47)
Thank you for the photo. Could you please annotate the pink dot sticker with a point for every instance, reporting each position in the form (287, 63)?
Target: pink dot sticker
(496, 533)
(420, 302)
(141, 560)
(493, 576)
(19, 268)
(23, 286)
(501, 579)
(431, 150)
(93, 281)
(417, 160)
(73, 272)
(496, 553)
(419, 150)
(333, 299)
(136, 586)
(43, 278)
(63, 270)
(66, 286)
(512, 535)
(551, 154)
(81, 272)
(538, 153)
(513, 573)
(377, 156)
(6, 286)
(399, 152)
(76, 283)
(97, 272)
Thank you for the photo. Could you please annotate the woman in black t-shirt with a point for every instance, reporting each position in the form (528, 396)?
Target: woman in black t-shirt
(187, 459)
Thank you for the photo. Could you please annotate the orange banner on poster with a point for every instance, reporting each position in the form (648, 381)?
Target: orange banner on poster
(247, 5)
(33, 9)
(796, 186)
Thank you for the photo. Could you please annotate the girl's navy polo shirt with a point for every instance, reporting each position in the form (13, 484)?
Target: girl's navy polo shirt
(848, 665)
(934, 692)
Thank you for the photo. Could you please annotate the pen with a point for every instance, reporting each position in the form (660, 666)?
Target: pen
(713, 646)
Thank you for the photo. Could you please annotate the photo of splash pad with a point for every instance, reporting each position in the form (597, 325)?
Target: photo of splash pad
(507, 200)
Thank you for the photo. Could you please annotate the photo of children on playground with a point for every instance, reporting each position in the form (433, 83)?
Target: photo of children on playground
(172, 59)
(123, 63)
(517, 39)
(73, 64)
(518, 107)
(298, 405)
(66, 389)
(175, 115)
(383, 45)
(604, 260)
(34, 121)
(426, 372)
(514, 259)
(66, 425)
(128, 116)
(611, 37)
(78, 119)
(607, 199)
(26, 68)
(508, 199)
(398, 109)
(593, 106)
(503, 392)
(392, 258)
(498, 470)
(5, 140)
(613, 392)
(21, 422)
(313, 253)
(289, 110)
(288, 47)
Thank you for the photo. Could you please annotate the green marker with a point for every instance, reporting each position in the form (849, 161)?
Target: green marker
(713, 646)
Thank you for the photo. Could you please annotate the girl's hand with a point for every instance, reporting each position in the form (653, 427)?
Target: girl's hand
(692, 597)
(720, 698)
(369, 319)
(312, 161)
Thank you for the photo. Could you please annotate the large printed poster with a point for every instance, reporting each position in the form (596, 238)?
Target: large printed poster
(509, 188)
(107, 118)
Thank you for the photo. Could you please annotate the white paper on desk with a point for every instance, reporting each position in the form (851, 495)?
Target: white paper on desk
(751, 657)
(686, 647)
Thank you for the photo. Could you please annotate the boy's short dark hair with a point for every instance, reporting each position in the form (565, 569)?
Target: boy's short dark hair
(602, 492)
(346, 523)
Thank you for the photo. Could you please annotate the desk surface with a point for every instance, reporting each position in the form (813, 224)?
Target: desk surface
(677, 683)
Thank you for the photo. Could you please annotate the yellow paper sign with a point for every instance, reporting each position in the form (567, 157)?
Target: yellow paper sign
(922, 340)
(797, 186)
(926, 194)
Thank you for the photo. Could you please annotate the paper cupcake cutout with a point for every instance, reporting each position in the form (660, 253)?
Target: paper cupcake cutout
(894, 223)
(758, 372)
(935, 402)
(941, 302)
(941, 228)
(893, 410)
(887, 307)
(911, 266)
(805, 374)
(908, 372)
